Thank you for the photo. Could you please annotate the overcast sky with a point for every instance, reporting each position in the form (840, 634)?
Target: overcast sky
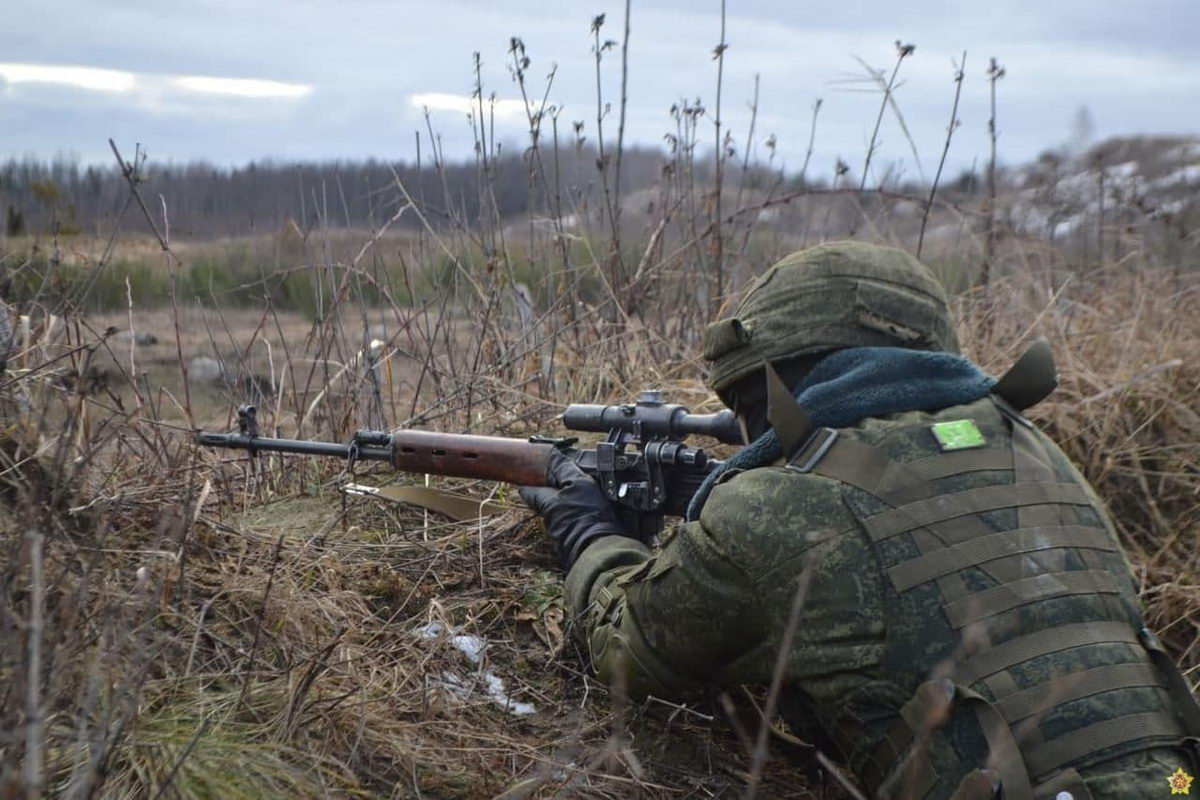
(234, 80)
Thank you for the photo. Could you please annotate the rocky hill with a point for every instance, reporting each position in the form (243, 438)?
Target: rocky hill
(1121, 181)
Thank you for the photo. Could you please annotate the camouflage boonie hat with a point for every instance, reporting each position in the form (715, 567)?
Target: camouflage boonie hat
(841, 294)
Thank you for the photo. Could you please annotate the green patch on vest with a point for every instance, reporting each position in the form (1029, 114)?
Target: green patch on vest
(959, 434)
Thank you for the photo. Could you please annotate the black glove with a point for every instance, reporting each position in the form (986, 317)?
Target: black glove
(573, 507)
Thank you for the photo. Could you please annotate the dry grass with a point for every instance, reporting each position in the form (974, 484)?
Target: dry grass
(230, 630)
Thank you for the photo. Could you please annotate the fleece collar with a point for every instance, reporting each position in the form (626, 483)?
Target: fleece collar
(852, 384)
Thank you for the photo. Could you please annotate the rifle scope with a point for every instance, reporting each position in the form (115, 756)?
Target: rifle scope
(651, 418)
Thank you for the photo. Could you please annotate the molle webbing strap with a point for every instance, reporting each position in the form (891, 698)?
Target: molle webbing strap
(1177, 685)
(867, 467)
(952, 537)
(971, 501)
(894, 759)
(917, 777)
(871, 470)
(1030, 460)
(858, 464)
(1045, 696)
(900, 764)
(877, 763)
(1002, 684)
(1004, 754)
(1060, 751)
(1050, 640)
(1031, 463)
(998, 599)
(957, 462)
(789, 420)
(977, 784)
(983, 549)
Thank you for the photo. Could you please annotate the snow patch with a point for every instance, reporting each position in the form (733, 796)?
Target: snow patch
(473, 647)
(1183, 176)
(1126, 169)
(1066, 226)
(1183, 152)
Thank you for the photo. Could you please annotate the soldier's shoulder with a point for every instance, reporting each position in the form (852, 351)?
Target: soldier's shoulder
(775, 483)
(775, 502)
(909, 434)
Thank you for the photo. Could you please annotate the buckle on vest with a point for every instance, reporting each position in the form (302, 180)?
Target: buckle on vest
(818, 445)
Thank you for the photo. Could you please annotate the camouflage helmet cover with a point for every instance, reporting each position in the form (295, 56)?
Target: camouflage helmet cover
(841, 294)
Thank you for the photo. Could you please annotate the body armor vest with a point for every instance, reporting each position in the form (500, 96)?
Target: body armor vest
(998, 557)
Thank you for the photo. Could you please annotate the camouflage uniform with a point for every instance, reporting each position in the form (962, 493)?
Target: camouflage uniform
(962, 608)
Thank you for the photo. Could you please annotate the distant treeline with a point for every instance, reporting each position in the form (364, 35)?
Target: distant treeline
(203, 200)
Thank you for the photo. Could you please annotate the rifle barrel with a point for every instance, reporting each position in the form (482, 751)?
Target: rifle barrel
(266, 444)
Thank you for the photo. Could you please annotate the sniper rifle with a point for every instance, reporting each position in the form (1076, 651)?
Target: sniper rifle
(643, 464)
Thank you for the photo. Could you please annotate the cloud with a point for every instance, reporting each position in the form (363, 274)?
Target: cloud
(505, 110)
(241, 87)
(93, 78)
(1135, 72)
(148, 85)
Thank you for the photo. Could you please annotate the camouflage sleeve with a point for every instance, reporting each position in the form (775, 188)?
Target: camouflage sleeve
(712, 605)
(663, 623)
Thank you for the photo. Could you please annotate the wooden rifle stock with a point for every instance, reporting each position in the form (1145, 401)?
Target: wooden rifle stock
(459, 455)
